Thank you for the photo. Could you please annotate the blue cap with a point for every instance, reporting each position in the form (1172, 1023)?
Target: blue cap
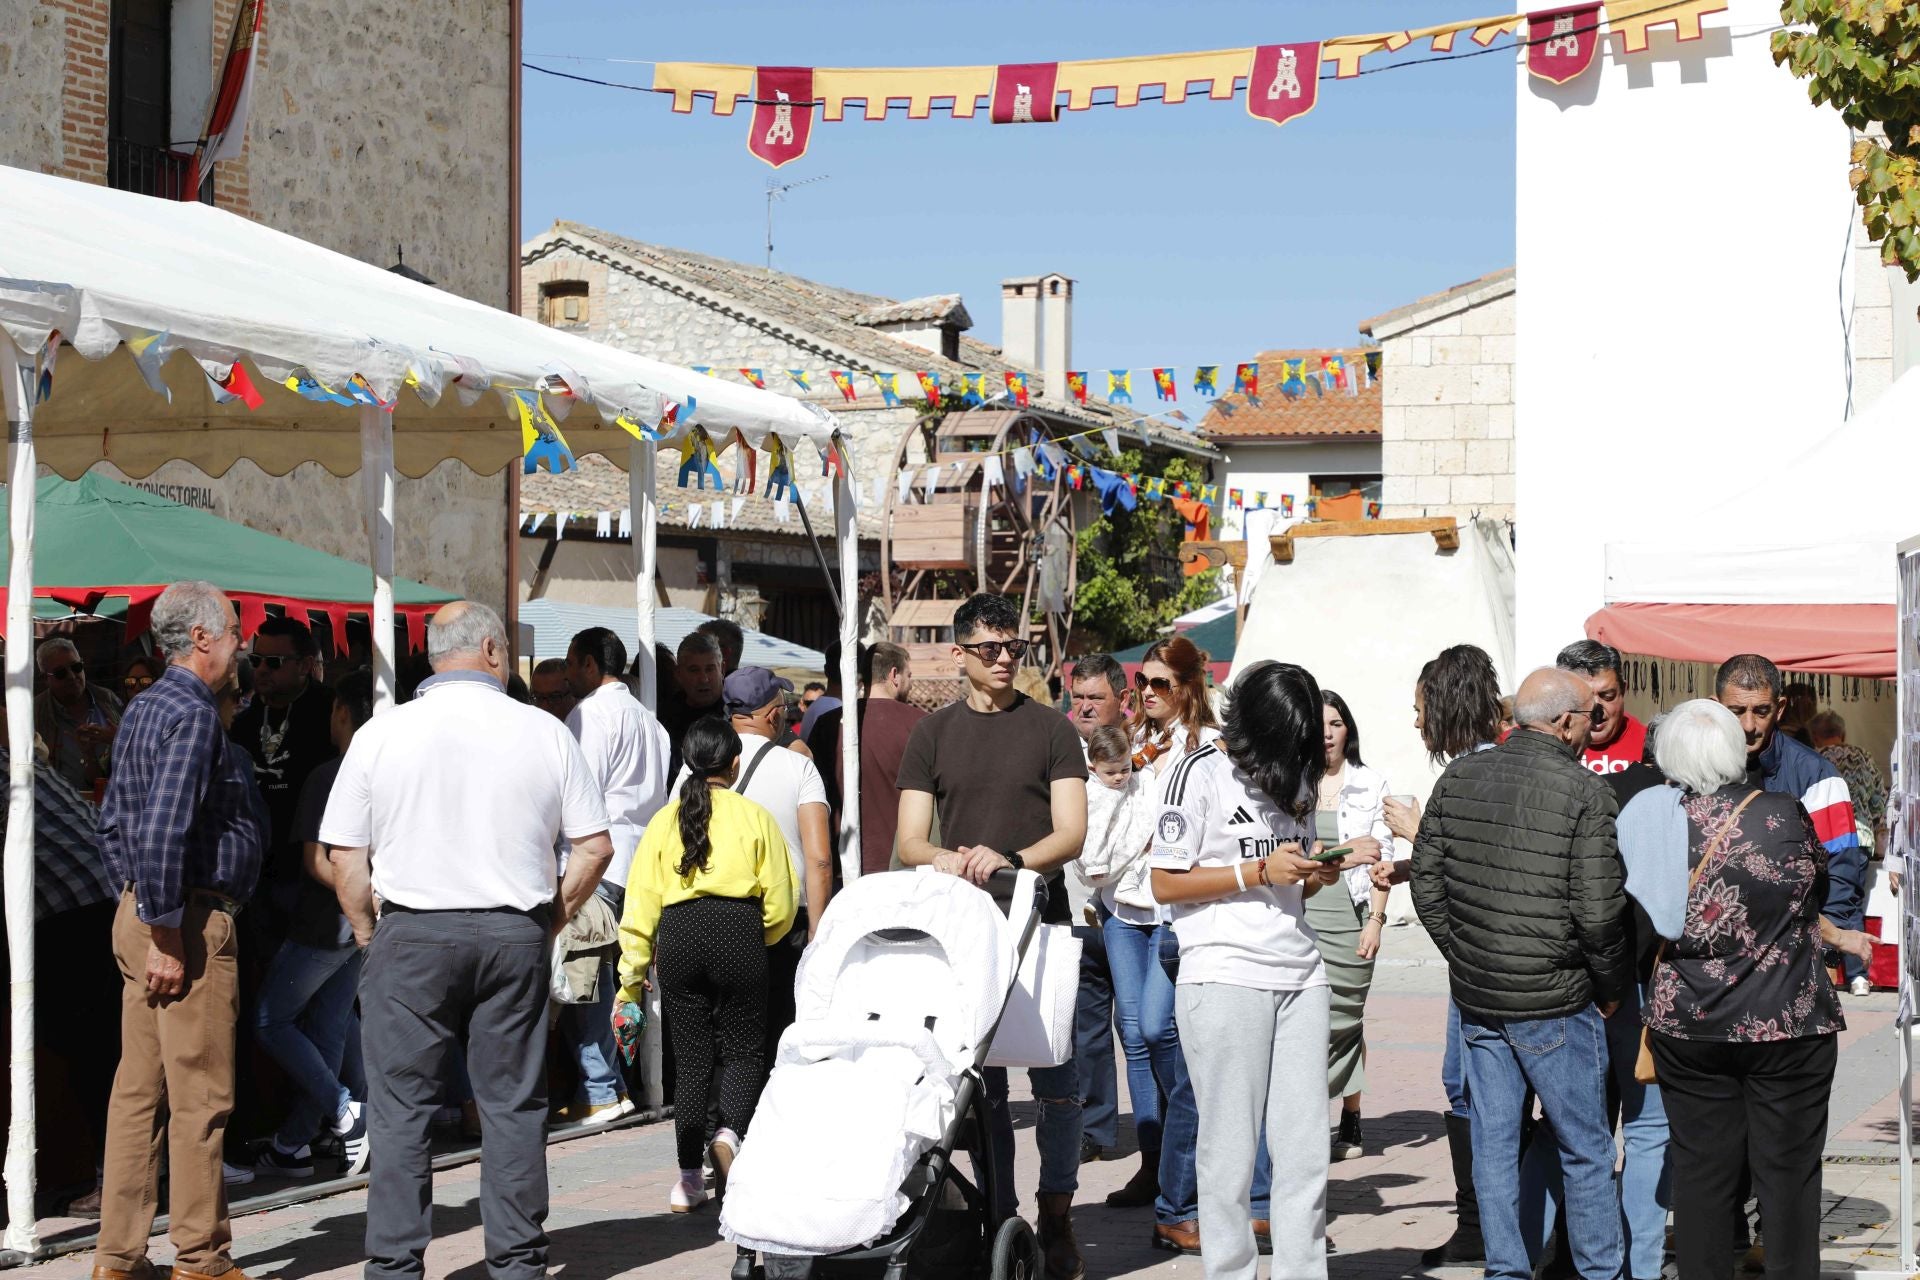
(751, 688)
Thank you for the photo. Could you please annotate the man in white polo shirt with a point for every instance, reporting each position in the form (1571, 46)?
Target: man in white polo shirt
(627, 752)
(448, 809)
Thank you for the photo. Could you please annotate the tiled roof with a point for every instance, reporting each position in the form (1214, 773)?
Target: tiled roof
(1460, 296)
(1334, 414)
(939, 306)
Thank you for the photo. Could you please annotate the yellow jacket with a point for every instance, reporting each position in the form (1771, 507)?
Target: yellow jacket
(748, 859)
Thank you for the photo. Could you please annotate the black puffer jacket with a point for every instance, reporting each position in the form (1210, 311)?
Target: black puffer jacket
(1518, 879)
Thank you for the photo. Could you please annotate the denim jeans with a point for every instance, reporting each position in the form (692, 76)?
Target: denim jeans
(1646, 1191)
(1453, 1066)
(1056, 1091)
(303, 1018)
(587, 1032)
(1093, 1040)
(1565, 1062)
(1143, 1002)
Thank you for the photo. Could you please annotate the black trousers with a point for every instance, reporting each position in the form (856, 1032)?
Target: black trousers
(432, 978)
(1767, 1102)
(711, 956)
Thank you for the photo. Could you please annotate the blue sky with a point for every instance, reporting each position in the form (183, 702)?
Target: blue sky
(1196, 233)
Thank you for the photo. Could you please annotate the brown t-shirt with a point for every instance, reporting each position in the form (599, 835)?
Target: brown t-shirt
(992, 773)
(885, 725)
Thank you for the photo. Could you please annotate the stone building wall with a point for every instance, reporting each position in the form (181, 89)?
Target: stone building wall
(359, 141)
(1446, 422)
(639, 316)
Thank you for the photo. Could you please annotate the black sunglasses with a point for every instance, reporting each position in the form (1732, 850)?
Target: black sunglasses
(72, 671)
(989, 651)
(1159, 684)
(271, 661)
(1595, 717)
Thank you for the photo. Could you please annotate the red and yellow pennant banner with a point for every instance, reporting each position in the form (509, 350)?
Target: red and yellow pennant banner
(1281, 81)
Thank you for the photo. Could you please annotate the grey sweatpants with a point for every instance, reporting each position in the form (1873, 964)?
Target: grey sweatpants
(1252, 1052)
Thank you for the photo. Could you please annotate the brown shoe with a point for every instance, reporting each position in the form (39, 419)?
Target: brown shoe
(231, 1273)
(1143, 1188)
(142, 1270)
(86, 1206)
(1057, 1245)
(1181, 1237)
(1262, 1236)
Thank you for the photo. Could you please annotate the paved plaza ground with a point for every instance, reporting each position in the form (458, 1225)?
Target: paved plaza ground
(610, 1191)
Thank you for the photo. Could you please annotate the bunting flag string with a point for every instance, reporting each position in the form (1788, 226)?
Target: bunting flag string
(1281, 81)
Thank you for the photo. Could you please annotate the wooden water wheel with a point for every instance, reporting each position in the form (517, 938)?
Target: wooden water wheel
(946, 540)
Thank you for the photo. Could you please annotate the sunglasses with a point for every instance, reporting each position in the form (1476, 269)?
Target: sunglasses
(137, 682)
(270, 661)
(1159, 684)
(989, 651)
(1595, 717)
(72, 671)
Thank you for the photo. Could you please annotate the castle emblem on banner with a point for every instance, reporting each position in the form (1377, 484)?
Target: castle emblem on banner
(1283, 81)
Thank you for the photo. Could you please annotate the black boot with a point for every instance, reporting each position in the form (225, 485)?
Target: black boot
(1465, 1244)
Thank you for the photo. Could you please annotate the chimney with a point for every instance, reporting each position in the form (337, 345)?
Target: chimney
(1036, 328)
(1056, 333)
(1020, 320)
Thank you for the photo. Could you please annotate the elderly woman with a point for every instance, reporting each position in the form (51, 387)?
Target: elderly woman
(1742, 1017)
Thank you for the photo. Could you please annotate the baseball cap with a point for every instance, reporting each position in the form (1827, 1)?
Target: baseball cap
(751, 688)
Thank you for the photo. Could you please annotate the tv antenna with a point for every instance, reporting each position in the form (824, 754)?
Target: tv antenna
(778, 191)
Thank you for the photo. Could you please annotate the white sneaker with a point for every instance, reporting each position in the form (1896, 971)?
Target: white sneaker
(725, 1146)
(607, 1112)
(354, 1147)
(1860, 987)
(688, 1194)
(235, 1175)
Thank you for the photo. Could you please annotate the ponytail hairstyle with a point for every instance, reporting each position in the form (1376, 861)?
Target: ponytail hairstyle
(711, 747)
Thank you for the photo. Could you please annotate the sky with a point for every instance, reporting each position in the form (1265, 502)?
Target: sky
(1195, 233)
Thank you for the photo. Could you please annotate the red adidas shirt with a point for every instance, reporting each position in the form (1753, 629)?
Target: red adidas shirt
(1625, 750)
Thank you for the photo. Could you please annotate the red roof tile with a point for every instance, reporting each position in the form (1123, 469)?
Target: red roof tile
(1334, 414)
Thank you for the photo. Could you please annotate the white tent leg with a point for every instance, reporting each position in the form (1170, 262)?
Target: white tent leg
(16, 872)
(846, 532)
(377, 485)
(642, 476)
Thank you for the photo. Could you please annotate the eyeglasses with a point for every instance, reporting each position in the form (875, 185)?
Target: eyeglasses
(989, 651)
(72, 671)
(1159, 684)
(271, 661)
(1595, 717)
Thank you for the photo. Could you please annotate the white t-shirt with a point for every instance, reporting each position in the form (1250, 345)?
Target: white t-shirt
(1211, 815)
(784, 781)
(461, 794)
(627, 752)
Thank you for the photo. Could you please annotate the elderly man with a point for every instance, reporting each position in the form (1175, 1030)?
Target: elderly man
(1096, 686)
(183, 828)
(447, 809)
(550, 689)
(1750, 686)
(733, 642)
(627, 753)
(1517, 878)
(74, 719)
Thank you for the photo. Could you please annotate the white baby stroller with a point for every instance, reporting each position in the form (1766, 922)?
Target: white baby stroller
(848, 1169)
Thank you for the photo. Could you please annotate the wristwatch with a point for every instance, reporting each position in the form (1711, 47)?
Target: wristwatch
(1019, 863)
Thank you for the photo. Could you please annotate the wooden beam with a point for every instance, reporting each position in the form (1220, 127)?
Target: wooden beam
(1445, 531)
(1214, 555)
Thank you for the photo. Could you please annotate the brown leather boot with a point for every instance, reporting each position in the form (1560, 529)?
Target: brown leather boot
(1143, 1188)
(1177, 1237)
(1057, 1244)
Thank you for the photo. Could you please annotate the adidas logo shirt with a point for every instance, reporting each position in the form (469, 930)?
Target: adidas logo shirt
(1211, 815)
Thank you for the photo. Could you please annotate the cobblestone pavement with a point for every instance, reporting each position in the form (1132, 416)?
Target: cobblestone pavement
(610, 1191)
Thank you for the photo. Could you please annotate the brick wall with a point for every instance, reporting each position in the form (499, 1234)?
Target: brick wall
(1446, 422)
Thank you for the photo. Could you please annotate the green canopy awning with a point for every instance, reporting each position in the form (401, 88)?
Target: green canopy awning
(1214, 636)
(98, 539)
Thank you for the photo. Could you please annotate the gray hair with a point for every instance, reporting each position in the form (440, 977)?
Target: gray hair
(1549, 700)
(184, 606)
(1828, 724)
(456, 631)
(1701, 746)
(52, 647)
(701, 642)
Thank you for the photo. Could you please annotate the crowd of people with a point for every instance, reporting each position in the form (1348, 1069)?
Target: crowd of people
(1643, 926)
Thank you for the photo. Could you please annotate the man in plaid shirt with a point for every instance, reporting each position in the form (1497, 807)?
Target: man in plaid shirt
(182, 829)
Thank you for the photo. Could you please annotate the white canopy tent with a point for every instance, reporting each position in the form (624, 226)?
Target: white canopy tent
(159, 305)
(1813, 589)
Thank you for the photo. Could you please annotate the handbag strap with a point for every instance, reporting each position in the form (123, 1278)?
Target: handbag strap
(746, 775)
(1718, 846)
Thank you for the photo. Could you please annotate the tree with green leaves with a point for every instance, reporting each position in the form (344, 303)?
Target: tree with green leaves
(1131, 587)
(1863, 57)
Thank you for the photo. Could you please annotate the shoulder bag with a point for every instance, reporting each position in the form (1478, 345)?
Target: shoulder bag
(1643, 1068)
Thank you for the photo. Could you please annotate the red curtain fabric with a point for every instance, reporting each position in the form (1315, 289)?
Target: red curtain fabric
(1838, 639)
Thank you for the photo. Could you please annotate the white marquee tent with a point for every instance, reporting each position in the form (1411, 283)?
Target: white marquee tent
(157, 302)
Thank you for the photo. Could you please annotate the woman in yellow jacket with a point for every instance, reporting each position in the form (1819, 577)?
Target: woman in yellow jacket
(710, 890)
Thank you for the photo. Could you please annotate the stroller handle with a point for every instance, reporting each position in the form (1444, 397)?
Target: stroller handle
(1000, 887)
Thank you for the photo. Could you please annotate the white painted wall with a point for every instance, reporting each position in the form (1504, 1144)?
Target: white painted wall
(1287, 468)
(1683, 225)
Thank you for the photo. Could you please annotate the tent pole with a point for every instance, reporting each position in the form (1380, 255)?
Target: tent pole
(644, 522)
(846, 521)
(376, 482)
(16, 872)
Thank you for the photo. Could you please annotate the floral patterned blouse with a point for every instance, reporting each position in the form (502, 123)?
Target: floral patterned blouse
(1747, 966)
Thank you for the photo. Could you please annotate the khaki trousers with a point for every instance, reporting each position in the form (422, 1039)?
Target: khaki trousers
(175, 1084)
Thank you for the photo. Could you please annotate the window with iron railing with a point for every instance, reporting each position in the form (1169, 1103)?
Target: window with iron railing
(140, 153)
(153, 171)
